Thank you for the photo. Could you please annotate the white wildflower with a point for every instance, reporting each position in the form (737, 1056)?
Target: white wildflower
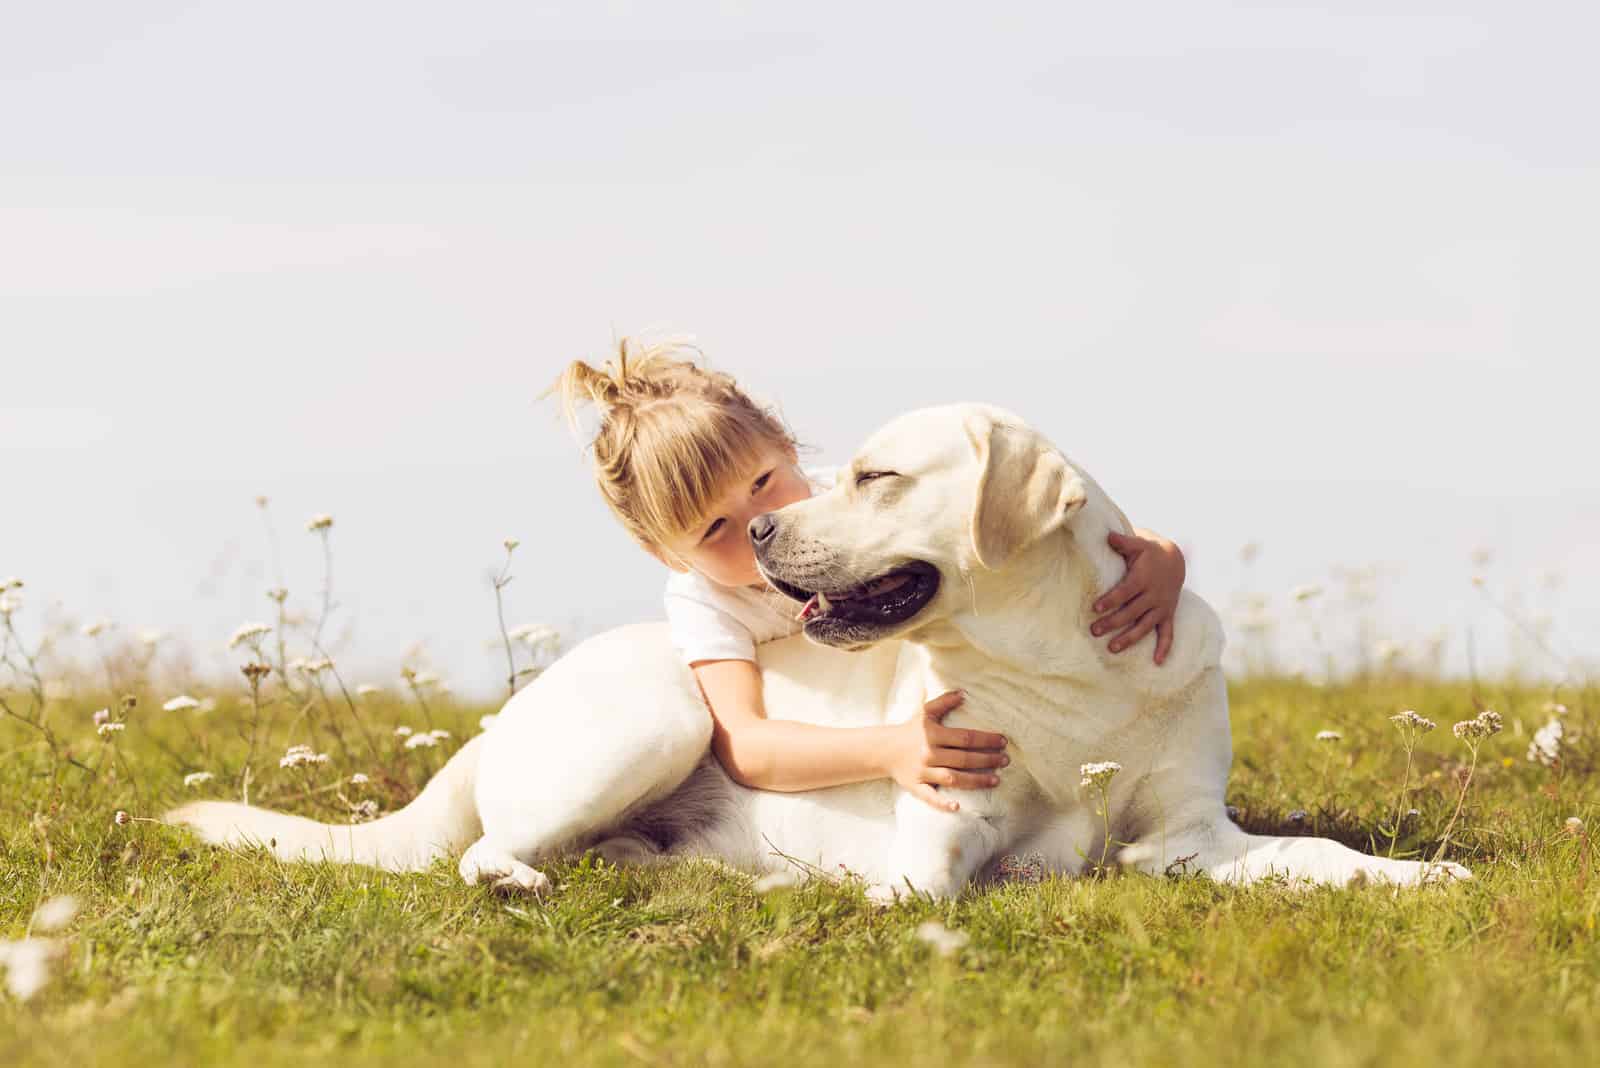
(1410, 718)
(248, 634)
(944, 941)
(421, 741)
(121, 818)
(423, 678)
(359, 779)
(777, 880)
(10, 583)
(363, 811)
(27, 964)
(96, 628)
(1482, 725)
(1249, 551)
(1574, 826)
(439, 734)
(541, 639)
(150, 637)
(1546, 745)
(320, 521)
(511, 544)
(102, 716)
(195, 778)
(1306, 593)
(181, 703)
(105, 729)
(485, 722)
(10, 603)
(366, 689)
(402, 731)
(298, 755)
(1328, 736)
(55, 913)
(1098, 773)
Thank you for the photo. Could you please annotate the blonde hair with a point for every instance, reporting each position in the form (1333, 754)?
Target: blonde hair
(673, 434)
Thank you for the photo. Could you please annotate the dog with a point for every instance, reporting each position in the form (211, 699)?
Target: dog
(958, 549)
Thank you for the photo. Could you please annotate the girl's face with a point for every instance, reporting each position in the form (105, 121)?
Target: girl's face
(719, 546)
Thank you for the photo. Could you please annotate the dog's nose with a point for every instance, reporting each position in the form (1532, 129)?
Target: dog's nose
(762, 528)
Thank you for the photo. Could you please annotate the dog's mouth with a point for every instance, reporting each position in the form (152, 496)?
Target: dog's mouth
(891, 598)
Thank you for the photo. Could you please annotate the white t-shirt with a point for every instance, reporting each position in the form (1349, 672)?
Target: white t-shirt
(712, 622)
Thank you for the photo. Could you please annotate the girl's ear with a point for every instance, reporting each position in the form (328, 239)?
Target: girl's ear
(669, 558)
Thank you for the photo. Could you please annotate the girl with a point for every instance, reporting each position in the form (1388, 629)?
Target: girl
(685, 460)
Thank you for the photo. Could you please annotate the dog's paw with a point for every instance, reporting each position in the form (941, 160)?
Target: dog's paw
(1442, 871)
(522, 880)
(503, 872)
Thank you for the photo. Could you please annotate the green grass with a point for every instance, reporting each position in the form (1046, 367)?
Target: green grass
(186, 955)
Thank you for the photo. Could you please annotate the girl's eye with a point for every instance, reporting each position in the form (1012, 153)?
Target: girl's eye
(867, 476)
(761, 483)
(712, 530)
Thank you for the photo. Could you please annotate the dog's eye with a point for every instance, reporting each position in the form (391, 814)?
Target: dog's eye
(867, 476)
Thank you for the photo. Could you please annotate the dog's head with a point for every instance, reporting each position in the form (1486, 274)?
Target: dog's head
(932, 499)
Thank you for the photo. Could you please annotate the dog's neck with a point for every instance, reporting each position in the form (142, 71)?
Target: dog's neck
(1052, 584)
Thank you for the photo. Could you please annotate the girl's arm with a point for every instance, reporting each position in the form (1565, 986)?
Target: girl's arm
(1147, 597)
(780, 755)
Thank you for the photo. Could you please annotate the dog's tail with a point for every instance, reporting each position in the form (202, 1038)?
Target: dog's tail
(440, 822)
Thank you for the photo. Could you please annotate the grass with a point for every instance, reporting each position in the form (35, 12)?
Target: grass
(188, 955)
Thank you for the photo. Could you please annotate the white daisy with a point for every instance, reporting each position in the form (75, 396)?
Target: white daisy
(248, 633)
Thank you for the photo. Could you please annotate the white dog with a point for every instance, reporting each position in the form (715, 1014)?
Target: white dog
(958, 549)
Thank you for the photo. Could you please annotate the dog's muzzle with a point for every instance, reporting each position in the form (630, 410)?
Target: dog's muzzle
(838, 613)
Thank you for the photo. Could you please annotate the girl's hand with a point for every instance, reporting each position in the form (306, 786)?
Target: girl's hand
(924, 753)
(1147, 597)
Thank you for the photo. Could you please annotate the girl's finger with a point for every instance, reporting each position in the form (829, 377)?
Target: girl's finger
(964, 738)
(1163, 641)
(1125, 544)
(1123, 592)
(928, 795)
(968, 758)
(1122, 617)
(961, 780)
(944, 704)
(1145, 624)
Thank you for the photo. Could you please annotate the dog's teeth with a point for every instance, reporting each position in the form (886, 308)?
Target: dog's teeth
(810, 608)
(822, 602)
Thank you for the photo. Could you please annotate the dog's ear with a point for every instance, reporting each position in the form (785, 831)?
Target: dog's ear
(1026, 489)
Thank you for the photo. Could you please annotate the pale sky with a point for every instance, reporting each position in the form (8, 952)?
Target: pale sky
(1321, 280)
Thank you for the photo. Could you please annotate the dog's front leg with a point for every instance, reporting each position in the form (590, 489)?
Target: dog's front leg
(938, 853)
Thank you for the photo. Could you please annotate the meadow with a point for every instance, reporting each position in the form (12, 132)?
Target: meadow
(124, 941)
